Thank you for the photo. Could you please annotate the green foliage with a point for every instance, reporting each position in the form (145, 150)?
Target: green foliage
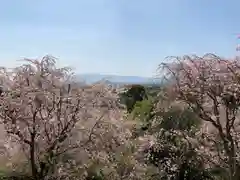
(95, 176)
(153, 91)
(219, 173)
(177, 159)
(171, 153)
(132, 95)
(180, 119)
(143, 110)
(14, 176)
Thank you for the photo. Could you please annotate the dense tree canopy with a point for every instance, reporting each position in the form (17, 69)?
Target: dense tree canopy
(184, 129)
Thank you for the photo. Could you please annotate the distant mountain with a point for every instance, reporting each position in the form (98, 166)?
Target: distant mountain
(115, 79)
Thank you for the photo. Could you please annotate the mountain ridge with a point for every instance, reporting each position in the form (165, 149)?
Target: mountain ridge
(90, 78)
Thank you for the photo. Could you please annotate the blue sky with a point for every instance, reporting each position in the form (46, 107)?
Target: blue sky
(126, 37)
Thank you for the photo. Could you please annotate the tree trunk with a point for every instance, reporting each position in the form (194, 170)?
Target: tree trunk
(32, 158)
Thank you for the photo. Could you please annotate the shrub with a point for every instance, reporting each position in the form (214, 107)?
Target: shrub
(143, 110)
(177, 118)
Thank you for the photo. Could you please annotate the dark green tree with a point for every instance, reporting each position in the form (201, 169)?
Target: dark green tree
(178, 119)
(133, 94)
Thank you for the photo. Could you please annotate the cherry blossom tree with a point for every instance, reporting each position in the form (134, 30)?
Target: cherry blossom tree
(210, 86)
(40, 107)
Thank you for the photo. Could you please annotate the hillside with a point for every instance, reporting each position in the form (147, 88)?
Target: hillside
(72, 131)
